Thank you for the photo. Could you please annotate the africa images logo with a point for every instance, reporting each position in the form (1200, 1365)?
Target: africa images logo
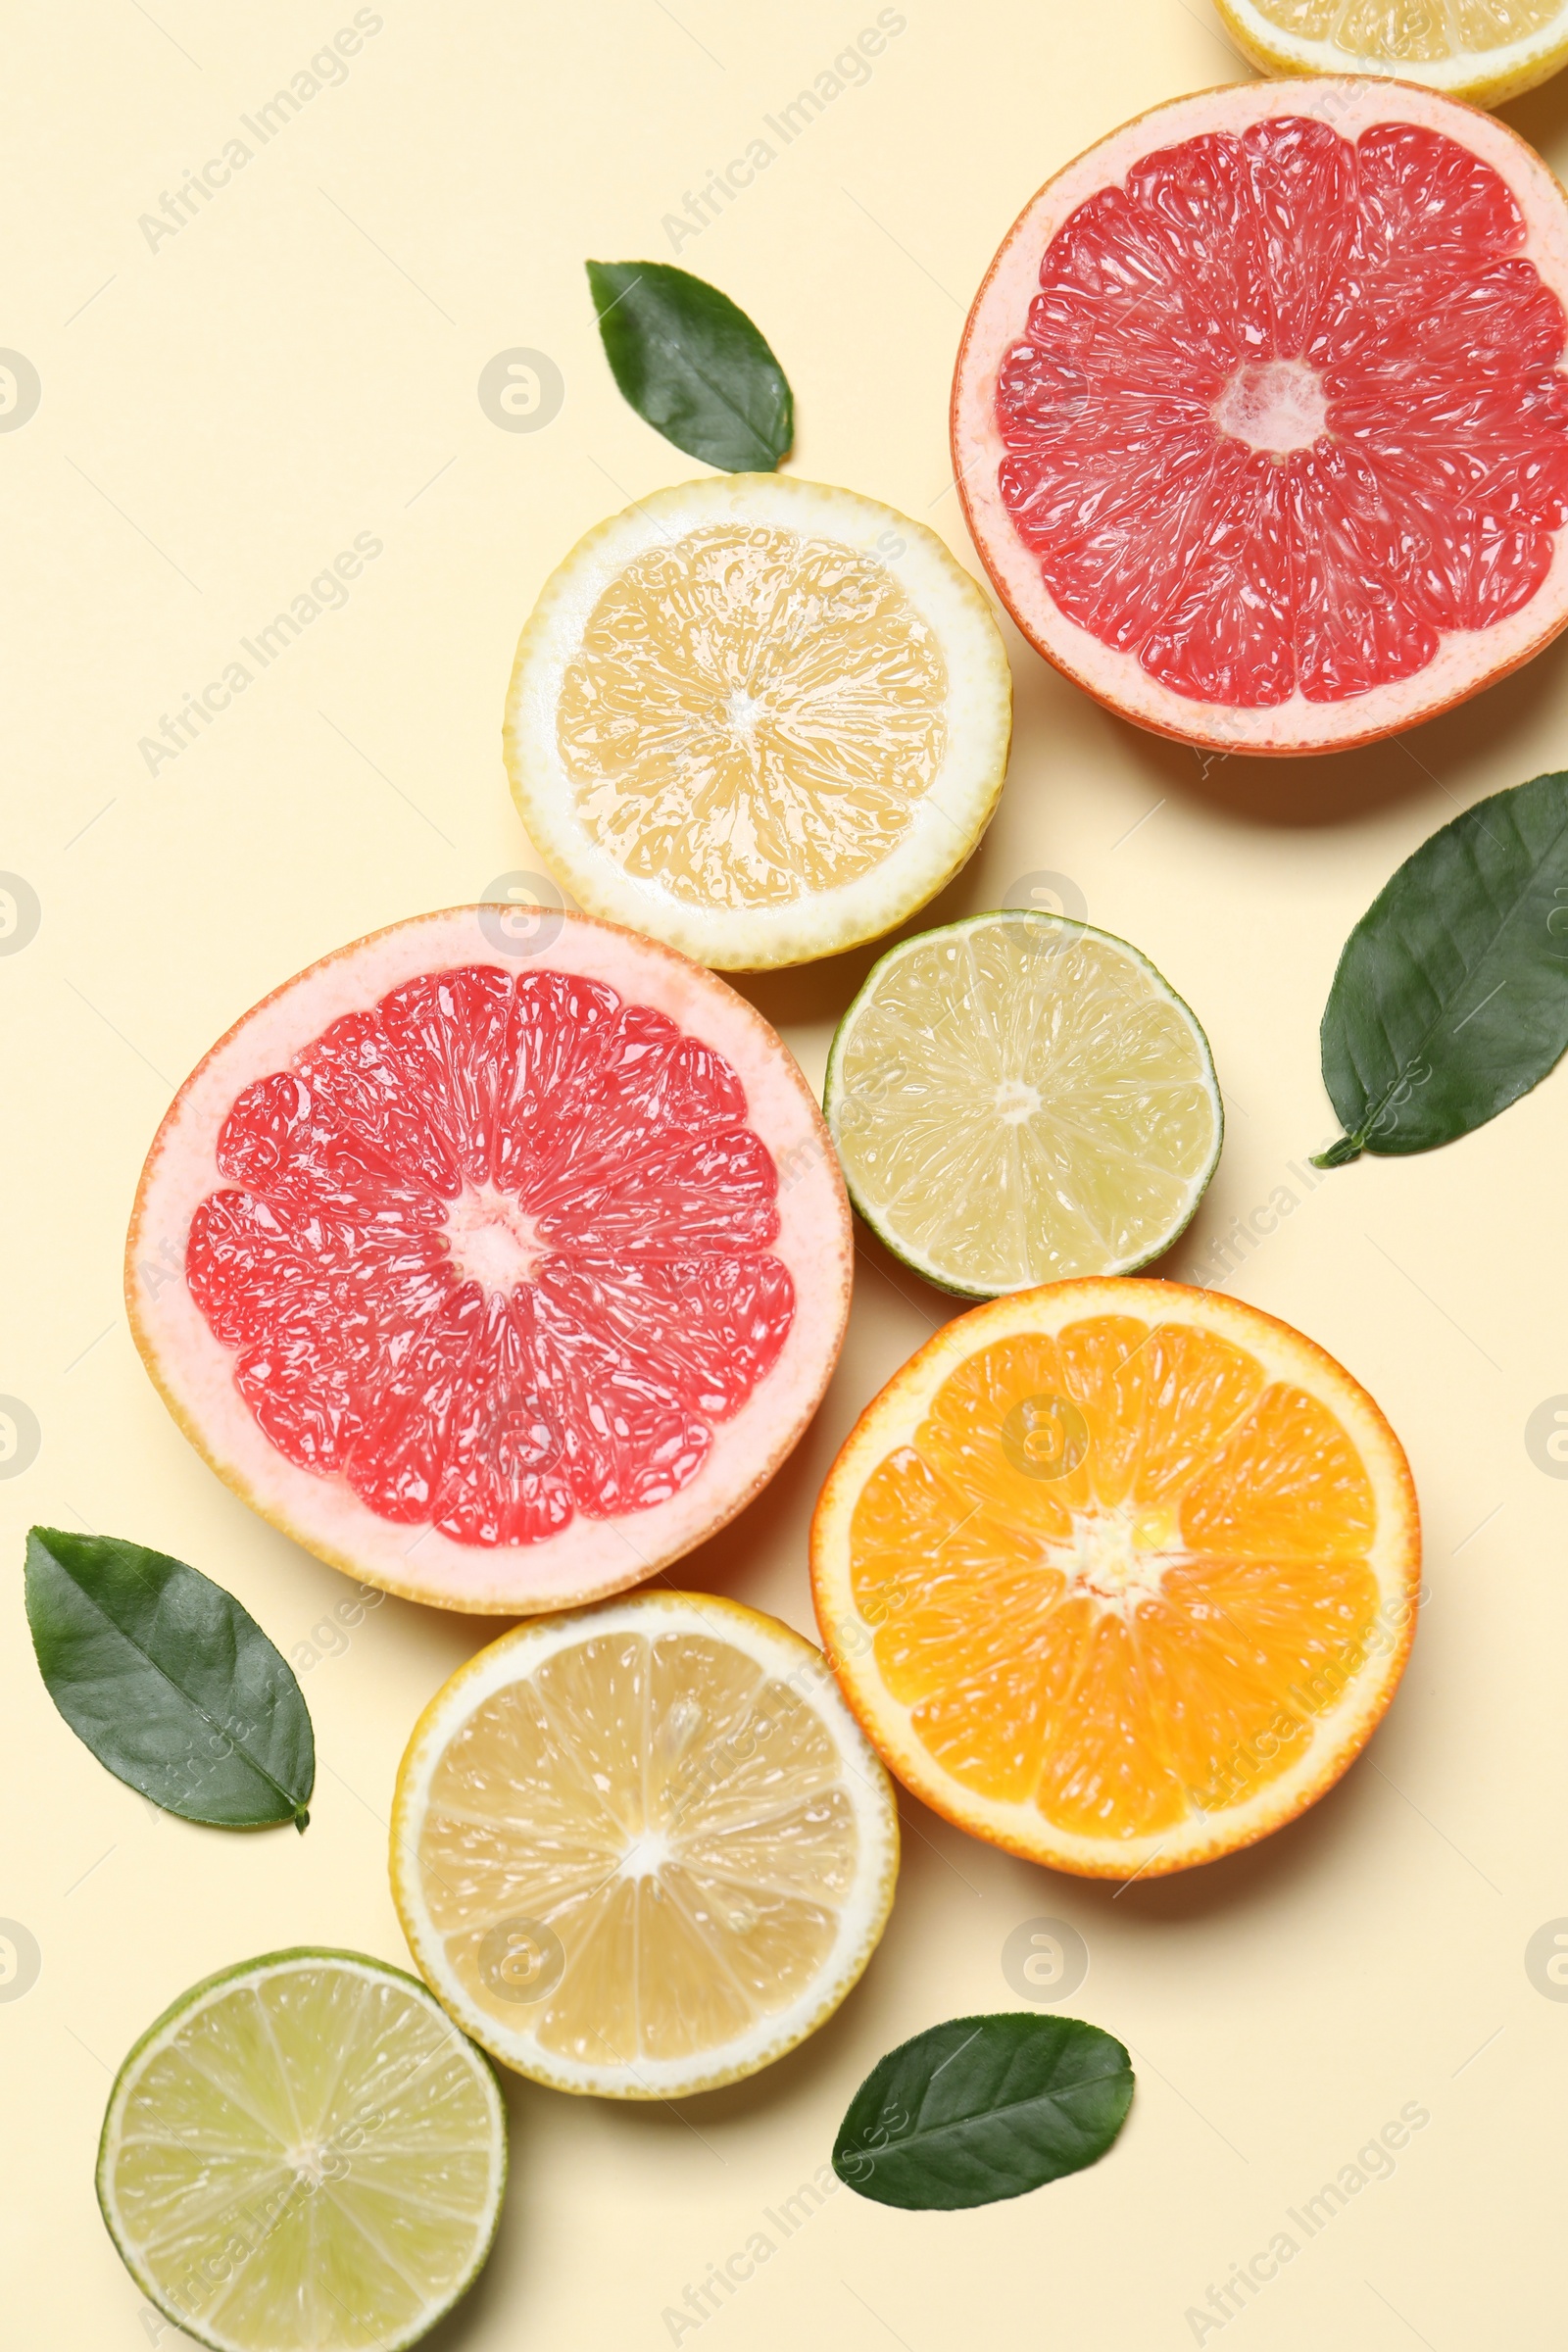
(851, 70)
(1373, 2162)
(326, 69)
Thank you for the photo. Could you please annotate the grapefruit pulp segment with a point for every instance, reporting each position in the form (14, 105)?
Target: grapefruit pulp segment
(480, 1274)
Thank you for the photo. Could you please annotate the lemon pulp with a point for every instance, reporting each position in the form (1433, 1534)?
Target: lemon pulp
(753, 714)
(634, 1853)
(1410, 31)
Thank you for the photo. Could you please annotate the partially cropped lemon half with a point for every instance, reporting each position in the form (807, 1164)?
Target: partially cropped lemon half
(758, 719)
(1482, 50)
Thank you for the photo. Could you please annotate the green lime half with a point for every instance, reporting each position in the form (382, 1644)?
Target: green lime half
(304, 2155)
(1020, 1099)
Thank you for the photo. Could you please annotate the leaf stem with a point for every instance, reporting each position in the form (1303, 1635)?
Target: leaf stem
(1339, 1155)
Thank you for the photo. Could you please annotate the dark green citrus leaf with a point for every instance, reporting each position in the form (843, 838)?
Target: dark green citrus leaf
(169, 1680)
(693, 365)
(1451, 997)
(984, 2107)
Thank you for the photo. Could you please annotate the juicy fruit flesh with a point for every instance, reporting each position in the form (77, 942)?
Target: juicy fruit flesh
(499, 1253)
(649, 1842)
(308, 2161)
(753, 715)
(1287, 409)
(1020, 1105)
(1412, 32)
(1119, 1575)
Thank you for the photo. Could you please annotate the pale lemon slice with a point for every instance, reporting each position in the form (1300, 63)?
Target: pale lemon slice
(758, 719)
(303, 2155)
(643, 1850)
(1482, 50)
(1020, 1099)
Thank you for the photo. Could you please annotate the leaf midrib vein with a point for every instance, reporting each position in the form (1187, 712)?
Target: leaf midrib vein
(986, 2115)
(1374, 1108)
(293, 1802)
(675, 351)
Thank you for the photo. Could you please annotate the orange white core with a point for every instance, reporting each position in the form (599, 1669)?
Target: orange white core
(1118, 1558)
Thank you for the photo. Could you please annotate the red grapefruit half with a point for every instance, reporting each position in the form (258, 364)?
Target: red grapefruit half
(498, 1278)
(1259, 418)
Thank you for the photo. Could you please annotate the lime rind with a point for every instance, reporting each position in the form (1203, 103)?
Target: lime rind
(929, 1264)
(160, 2034)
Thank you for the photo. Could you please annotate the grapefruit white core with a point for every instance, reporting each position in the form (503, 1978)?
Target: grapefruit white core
(497, 1279)
(1259, 418)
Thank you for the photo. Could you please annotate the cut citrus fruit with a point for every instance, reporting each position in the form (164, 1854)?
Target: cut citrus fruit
(1119, 1575)
(1482, 50)
(644, 1849)
(1017, 1098)
(1259, 419)
(497, 1275)
(302, 2155)
(761, 719)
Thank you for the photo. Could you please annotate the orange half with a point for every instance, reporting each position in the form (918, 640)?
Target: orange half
(1119, 1575)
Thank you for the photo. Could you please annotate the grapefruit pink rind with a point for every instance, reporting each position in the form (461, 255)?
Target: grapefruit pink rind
(1466, 660)
(590, 1557)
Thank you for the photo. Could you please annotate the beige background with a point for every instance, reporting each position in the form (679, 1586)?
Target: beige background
(220, 416)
